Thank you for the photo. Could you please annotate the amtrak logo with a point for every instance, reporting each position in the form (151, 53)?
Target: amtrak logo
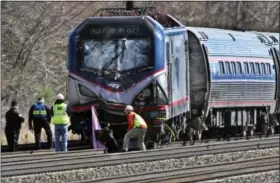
(114, 85)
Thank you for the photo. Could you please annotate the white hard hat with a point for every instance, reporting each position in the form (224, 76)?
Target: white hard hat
(60, 97)
(128, 108)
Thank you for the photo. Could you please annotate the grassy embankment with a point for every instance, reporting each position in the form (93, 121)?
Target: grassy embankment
(27, 137)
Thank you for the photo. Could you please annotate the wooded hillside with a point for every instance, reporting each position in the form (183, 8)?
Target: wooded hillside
(34, 38)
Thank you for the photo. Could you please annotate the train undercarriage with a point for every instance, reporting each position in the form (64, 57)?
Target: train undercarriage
(220, 123)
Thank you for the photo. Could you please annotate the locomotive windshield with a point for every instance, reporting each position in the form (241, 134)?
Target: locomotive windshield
(117, 54)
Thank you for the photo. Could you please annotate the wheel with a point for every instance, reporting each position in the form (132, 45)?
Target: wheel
(265, 130)
(251, 132)
(83, 136)
(199, 135)
(155, 145)
(244, 133)
(191, 136)
(272, 130)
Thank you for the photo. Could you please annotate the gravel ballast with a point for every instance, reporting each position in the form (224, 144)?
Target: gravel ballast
(262, 177)
(143, 167)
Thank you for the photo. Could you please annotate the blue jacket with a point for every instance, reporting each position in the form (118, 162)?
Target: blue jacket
(39, 111)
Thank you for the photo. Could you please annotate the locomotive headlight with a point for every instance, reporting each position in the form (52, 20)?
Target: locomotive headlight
(153, 115)
(86, 92)
(146, 93)
(141, 96)
(142, 103)
(144, 97)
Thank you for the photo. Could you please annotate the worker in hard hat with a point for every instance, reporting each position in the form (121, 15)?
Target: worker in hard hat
(39, 114)
(137, 128)
(61, 120)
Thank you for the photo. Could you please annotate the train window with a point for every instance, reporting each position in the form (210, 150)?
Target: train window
(239, 68)
(252, 68)
(268, 69)
(233, 67)
(263, 69)
(246, 66)
(257, 68)
(228, 69)
(222, 67)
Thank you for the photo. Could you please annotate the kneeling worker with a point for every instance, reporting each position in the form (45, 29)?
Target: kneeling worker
(137, 128)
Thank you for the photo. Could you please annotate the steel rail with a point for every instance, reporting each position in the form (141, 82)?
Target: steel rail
(31, 167)
(47, 155)
(44, 145)
(78, 145)
(35, 151)
(197, 173)
(82, 156)
(38, 155)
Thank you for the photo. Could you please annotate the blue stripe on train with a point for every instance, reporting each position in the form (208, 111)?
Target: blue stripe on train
(242, 77)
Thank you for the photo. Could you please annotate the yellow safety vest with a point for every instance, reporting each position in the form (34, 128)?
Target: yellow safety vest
(138, 121)
(60, 116)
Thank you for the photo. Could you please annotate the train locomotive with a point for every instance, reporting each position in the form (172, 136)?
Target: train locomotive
(171, 74)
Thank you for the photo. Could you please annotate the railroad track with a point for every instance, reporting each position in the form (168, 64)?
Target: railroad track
(72, 145)
(23, 157)
(88, 161)
(198, 173)
(47, 155)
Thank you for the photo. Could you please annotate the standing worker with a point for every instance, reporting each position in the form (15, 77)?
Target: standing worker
(39, 113)
(60, 118)
(13, 125)
(137, 128)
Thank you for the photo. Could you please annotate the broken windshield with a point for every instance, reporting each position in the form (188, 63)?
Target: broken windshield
(118, 55)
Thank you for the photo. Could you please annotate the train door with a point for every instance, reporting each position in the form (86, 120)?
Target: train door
(169, 43)
(177, 74)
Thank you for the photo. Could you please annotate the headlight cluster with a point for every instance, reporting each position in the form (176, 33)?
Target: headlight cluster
(144, 97)
(86, 91)
(153, 115)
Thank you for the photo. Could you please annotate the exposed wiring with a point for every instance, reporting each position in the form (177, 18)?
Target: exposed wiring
(172, 132)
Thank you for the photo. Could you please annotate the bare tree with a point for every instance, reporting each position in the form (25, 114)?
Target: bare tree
(35, 36)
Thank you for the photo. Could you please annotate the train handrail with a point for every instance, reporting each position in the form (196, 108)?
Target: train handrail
(123, 11)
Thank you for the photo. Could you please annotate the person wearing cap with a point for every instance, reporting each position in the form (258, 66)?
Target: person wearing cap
(13, 125)
(39, 114)
(137, 128)
(61, 120)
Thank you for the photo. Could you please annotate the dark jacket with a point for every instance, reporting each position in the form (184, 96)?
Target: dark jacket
(13, 118)
(46, 117)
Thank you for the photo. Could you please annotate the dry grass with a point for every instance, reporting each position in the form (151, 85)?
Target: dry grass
(27, 137)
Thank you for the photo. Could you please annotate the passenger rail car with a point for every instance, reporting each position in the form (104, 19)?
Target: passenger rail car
(271, 40)
(170, 73)
(232, 77)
